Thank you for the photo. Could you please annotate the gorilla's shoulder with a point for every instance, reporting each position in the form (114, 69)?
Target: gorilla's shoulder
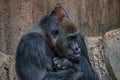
(32, 36)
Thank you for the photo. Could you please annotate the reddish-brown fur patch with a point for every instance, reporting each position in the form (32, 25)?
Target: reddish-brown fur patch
(67, 24)
(62, 19)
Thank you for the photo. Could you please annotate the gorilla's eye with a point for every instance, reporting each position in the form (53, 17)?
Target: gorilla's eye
(70, 38)
(55, 33)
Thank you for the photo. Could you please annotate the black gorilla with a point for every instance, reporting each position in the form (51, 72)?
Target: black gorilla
(53, 50)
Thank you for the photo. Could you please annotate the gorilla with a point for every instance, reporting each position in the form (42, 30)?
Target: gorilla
(54, 50)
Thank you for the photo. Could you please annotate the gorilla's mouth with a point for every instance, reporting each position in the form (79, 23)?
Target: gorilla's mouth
(74, 57)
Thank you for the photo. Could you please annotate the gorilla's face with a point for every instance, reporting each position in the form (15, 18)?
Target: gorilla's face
(62, 35)
(65, 43)
(67, 46)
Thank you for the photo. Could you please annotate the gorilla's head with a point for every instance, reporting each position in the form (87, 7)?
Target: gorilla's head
(62, 34)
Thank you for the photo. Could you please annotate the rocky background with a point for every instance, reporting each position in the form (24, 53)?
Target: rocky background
(97, 20)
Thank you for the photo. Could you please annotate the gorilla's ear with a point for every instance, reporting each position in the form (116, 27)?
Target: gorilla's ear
(58, 13)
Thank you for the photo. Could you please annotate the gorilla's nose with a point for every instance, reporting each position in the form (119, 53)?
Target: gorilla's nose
(77, 50)
(76, 47)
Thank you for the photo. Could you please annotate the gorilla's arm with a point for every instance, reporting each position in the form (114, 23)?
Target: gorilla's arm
(84, 63)
(31, 60)
(86, 68)
(83, 46)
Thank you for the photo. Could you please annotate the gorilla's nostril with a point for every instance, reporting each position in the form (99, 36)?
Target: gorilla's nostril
(77, 49)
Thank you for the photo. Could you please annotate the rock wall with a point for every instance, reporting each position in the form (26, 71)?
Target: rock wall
(93, 18)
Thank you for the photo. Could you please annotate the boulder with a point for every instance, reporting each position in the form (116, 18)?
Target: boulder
(112, 52)
(96, 55)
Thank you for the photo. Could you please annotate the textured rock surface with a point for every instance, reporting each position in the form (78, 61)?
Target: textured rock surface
(112, 51)
(96, 55)
(3, 24)
(7, 68)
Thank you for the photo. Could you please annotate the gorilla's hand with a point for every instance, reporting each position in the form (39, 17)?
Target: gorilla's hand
(62, 63)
